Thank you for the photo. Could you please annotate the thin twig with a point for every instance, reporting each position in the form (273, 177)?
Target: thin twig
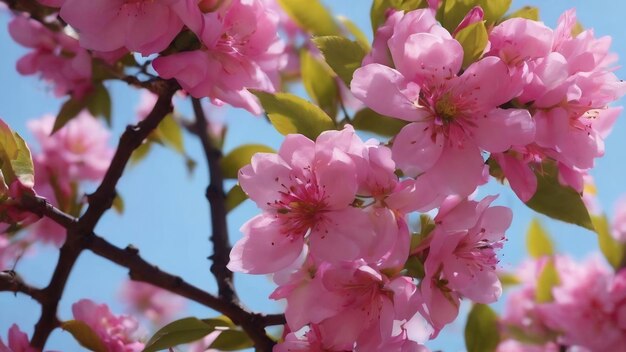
(217, 203)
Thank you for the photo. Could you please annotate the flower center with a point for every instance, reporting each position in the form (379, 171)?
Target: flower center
(445, 108)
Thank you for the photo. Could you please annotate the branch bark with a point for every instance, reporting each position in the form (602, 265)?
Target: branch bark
(100, 201)
(217, 202)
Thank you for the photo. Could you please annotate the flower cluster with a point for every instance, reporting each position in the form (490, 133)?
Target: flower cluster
(77, 153)
(334, 230)
(544, 91)
(55, 56)
(586, 311)
(116, 333)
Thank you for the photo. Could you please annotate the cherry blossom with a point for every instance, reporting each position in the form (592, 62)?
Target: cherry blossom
(115, 332)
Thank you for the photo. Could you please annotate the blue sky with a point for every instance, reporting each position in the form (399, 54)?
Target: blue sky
(166, 212)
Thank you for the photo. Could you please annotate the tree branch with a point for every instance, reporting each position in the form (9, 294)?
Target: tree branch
(141, 270)
(10, 281)
(217, 203)
(99, 202)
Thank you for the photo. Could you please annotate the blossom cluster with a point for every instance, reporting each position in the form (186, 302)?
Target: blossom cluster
(334, 230)
(586, 312)
(213, 48)
(546, 93)
(334, 227)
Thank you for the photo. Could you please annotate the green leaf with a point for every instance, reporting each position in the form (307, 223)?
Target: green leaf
(99, 103)
(118, 204)
(141, 152)
(292, 114)
(170, 133)
(356, 32)
(221, 321)
(312, 16)
(232, 340)
(380, 7)
(68, 111)
(452, 12)
(527, 12)
(481, 330)
(369, 120)
(240, 157)
(235, 196)
(15, 158)
(319, 82)
(342, 55)
(548, 279)
(85, 336)
(414, 267)
(558, 201)
(473, 39)
(612, 249)
(508, 279)
(178, 332)
(538, 242)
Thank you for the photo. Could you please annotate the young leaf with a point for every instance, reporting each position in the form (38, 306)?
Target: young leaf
(141, 152)
(558, 201)
(235, 196)
(473, 39)
(612, 249)
(312, 16)
(99, 103)
(15, 158)
(380, 7)
(85, 336)
(548, 279)
(527, 12)
(342, 55)
(508, 279)
(452, 12)
(292, 114)
(178, 332)
(232, 340)
(170, 133)
(481, 329)
(68, 111)
(369, 120)
(240, 157)
(356, 32)
(538, 242)
(319, 82)
(118, 204)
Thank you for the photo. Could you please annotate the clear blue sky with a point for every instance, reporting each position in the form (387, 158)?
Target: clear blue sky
(167, 215)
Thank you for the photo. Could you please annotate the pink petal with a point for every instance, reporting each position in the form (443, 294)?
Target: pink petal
(502, 128)
(414, 149)
(385, 91)
(264, 248)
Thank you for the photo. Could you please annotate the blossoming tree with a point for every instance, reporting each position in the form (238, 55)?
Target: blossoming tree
(368, 221)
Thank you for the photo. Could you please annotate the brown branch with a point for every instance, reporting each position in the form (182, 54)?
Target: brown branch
(217, 203)
(100, 201)
(140, 270)
(10, 281)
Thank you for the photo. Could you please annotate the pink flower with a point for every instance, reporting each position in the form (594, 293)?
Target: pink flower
(241, 49)
(77, 153)
(115, 332)
(144, 26)
(453, 118)
(17, 342)
(589, 307)
(306, 192)
(461, 259)
(158, 305)
(56, 56)
(348, 303)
